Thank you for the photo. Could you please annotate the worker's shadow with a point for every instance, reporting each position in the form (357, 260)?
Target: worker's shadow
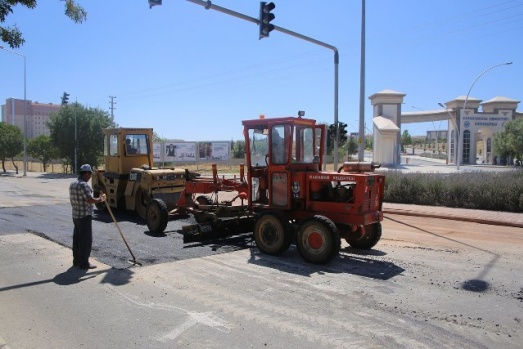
(113, 276)
(74, 275)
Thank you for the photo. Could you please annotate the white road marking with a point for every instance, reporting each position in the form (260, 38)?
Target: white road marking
(207, 318)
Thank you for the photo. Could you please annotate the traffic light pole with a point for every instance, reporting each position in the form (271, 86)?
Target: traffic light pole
(336, 64)
(209, 6)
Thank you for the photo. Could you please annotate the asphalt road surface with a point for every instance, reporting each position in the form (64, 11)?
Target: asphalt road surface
(41, 206)
(55, 223)
(429, 283)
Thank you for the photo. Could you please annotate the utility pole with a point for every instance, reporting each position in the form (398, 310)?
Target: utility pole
(361, 131)
(112, 103)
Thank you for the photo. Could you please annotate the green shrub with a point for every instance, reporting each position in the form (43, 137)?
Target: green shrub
(495, 191)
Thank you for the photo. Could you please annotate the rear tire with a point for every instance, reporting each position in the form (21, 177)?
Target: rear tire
(318, 240)
(369, 240)
(157, 216)
(273, 235)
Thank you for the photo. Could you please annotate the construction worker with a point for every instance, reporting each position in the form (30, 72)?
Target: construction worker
(82, 200)
(130, 148)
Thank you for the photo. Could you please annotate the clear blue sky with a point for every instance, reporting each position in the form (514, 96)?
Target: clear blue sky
(194, 74)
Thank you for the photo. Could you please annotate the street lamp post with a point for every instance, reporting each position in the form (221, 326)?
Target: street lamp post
(25, 107)
(456, 131)
(460, 145)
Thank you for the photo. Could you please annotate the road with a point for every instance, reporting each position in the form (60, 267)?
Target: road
(429, 283)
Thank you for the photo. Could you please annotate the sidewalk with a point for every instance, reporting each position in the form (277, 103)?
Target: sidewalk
(510, 219)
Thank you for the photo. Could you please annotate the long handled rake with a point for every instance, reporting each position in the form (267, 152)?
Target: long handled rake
(133, 261)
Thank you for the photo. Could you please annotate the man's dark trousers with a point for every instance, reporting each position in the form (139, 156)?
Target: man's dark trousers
(82, 241)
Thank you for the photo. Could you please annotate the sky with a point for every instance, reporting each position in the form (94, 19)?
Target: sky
(195, 74)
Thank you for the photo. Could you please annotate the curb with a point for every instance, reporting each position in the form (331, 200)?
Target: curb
(455, 218)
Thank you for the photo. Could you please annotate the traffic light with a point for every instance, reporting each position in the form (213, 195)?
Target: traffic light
(331, 135)
(265, 18)
(343, 132)
(154, 3)
(65, 98)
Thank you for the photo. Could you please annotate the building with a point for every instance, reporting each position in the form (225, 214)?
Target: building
(37, 114)
(436, 135)
(475, 125)
(467, 126)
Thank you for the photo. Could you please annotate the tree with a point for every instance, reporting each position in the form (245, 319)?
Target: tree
(509, 142)
(352, 147)
(238, 151)
(11, 143)
(42, 149)
(89, 136)
(406, 139)
(157, 138)
(369, 143)
(416, 142)
(13, 36)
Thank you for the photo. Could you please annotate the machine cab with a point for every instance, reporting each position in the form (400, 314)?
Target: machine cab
(127, 148)
(277, 151)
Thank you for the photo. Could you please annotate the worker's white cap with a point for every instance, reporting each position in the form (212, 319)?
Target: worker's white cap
(86, 168)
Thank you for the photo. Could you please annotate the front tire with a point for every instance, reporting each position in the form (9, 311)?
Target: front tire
(318, 240)
(157, 216)
(272, 234)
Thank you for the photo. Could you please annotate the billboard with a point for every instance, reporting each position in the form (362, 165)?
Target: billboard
(157, 152)
(176, 151)
(213, 151)
(220, 151)
(180, 151)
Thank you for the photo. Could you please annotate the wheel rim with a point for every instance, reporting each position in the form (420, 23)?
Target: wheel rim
(269, 234)
(153, 215)
(315, 240)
